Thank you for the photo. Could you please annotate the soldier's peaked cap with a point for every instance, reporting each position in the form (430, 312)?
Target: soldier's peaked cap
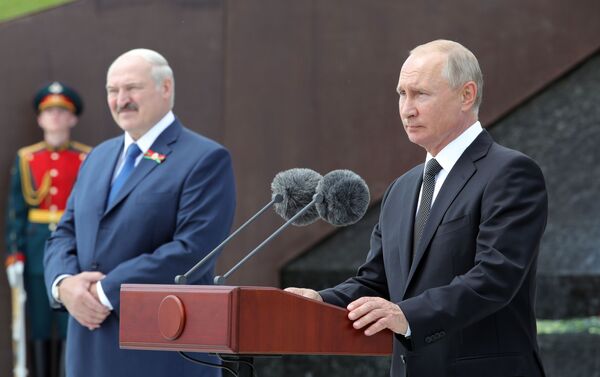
(57, 94)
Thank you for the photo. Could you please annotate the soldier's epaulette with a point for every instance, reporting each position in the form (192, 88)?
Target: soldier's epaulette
(80, 147)
(32, 196)
(31, 149)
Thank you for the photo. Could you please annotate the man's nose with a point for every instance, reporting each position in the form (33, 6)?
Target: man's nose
(122, 98)
(407, 108)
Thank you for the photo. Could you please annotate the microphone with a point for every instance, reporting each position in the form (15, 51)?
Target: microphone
(297, 186)
(345, 197)
(294, 187)
(342, 198)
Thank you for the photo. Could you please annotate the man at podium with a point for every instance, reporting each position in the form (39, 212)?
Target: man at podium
(146, 206)
(452, 265)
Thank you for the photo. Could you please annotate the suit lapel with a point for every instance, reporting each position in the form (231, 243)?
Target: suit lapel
(104, 172)
(161, 145)
(99, 191)
(460, 174)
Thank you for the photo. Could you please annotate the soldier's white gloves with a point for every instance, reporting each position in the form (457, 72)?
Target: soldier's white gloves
(14, 270)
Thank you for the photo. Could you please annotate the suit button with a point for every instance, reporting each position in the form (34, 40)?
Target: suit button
(427, 339)
(443, 333)
(95, 266)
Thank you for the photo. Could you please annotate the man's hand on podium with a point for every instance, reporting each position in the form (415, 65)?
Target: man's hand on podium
(305, 292)
(378, 314)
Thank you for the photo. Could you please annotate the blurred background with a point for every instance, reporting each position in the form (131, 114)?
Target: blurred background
(311, 83)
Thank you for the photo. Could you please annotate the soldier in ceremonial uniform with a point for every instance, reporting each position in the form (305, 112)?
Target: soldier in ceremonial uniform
(41, 181)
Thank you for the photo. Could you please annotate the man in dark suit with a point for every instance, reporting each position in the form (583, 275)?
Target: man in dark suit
(452, 265)
(146, 206)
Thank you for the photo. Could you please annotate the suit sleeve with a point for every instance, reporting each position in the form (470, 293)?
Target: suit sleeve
(370, 279)
(513, 218)
(205, 213)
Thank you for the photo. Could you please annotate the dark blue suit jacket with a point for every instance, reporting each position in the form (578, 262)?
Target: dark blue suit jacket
(469, 294)
(166, 217)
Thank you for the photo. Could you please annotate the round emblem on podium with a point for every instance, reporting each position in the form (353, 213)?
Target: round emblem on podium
(171, 317)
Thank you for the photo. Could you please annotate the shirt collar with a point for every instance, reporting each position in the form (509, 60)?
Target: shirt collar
(452, 152)
(147, 139)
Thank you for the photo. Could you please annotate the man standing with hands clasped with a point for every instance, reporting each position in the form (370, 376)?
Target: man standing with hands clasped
(147, 205)
(452, 264)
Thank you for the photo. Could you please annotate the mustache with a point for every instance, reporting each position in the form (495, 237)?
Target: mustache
(127, 106)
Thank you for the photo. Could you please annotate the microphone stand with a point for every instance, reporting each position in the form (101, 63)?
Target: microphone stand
(220, 280)
(182, 279)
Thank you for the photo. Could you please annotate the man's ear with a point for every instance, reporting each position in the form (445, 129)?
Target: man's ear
(73, 121)
(167, 87)
(468, 95)
(39, 120)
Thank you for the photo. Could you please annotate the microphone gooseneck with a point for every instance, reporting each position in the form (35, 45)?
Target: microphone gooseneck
(182, 279)
(317, 198)
(291, 191)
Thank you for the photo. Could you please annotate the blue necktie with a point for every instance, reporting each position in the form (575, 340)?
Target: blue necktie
(132, 152)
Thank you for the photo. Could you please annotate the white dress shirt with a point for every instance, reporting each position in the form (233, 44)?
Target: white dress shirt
(144, 142)
(448, 157)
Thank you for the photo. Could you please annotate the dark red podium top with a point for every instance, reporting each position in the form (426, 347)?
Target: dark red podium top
(240, 320)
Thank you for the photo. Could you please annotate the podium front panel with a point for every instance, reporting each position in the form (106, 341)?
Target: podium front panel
(206, 324)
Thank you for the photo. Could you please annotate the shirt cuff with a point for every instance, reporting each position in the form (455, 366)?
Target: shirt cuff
(102, 296)
(408, 332)
(55, 287)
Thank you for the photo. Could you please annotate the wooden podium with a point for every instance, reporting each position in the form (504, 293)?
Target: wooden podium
(238, 320)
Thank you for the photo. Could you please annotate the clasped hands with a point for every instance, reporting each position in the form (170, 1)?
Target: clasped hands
(78, 293)
(375, 312)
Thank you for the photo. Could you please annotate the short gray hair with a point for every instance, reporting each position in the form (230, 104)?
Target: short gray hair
(461, 65)
(160, 70)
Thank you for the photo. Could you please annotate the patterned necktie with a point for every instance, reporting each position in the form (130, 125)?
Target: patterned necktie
(433, 167)
(132, 152)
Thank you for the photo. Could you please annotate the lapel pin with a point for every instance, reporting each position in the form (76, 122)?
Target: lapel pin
(154, 156)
